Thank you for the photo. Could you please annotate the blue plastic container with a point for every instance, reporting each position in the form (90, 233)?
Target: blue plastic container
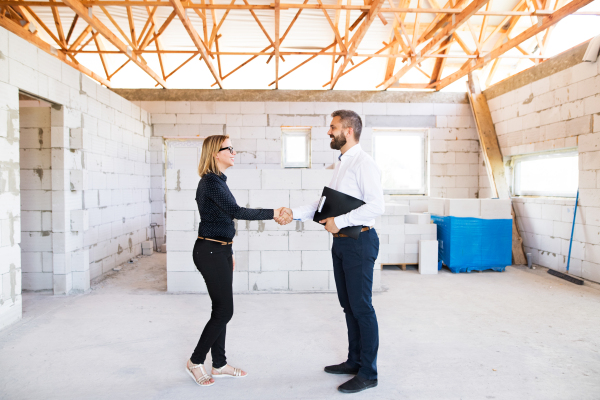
(474, 244)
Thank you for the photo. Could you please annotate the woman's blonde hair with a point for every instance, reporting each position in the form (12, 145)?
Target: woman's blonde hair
(210, 147)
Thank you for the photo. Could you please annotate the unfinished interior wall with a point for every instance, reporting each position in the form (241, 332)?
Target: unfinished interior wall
(100, 172)
(553, 106)
(255, 128)
(296, 257)
(10, 212)
(36, 195)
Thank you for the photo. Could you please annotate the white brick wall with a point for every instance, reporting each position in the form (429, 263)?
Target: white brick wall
(97, 146)
(555, 112)
(36, 198)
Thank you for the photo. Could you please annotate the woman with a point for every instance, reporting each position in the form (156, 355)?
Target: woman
(213, 254)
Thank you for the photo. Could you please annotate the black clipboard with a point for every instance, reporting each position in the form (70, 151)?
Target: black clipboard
(334, 204)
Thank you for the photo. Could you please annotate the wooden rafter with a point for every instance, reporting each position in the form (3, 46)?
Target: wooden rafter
(100, 46)
(283, 6)
(58, 24)
(254, 57)
(438, 67)
(413, 42)
(277, 20)
(438, 37)
(96, 24)
(25, 34)
(357, 38)
(510, 44)
(71, 29)
(196, 39)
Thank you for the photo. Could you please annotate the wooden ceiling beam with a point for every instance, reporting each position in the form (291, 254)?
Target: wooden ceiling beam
(58, 24)
(439, 36)
(25, 34)
(71, 29)
(196, 39)
(357, 38)
(277, 21)
(268, 47)
(438, 67)
(387, 46)
(87, 15)
(510, 44)
(286, 6)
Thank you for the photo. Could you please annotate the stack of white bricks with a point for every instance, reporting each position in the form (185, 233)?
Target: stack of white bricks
(471, 208)
(400, 232)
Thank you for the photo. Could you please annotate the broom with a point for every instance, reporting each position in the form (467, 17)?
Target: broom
(566, 276)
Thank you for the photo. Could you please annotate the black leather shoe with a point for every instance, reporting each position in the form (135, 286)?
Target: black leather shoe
(341, 369)
(357, 384)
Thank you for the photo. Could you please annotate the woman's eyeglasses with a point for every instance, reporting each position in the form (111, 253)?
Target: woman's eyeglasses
(230, 148)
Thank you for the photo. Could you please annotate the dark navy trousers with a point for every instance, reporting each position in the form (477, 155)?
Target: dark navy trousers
(353, 262)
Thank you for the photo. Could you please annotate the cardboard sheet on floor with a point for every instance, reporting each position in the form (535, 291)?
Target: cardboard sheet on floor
(474, 244)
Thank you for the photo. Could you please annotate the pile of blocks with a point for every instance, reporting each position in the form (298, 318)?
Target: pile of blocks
(400, 233)
(471, 208)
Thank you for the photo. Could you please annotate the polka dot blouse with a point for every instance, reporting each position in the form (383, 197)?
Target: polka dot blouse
(218, 208)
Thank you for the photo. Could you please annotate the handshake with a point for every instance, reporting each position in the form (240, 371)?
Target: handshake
(283, 215)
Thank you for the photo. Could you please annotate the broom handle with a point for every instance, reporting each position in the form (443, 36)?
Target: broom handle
(572, 229)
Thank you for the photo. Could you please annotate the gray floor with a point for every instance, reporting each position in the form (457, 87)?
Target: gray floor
(521, 334)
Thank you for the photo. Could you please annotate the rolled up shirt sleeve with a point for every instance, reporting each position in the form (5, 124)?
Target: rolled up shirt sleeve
(369, 180)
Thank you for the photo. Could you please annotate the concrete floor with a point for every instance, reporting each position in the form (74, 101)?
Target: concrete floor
(521, 334)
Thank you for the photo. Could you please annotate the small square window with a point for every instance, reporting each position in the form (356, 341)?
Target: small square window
(295, 152)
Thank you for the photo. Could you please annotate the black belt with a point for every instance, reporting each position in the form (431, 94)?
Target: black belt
(366, 228)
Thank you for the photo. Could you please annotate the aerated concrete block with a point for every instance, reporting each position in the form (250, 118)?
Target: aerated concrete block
(437, 206)
(464, 208)
(415, 218)
(396, 209)
(428, 257)
(496, 209)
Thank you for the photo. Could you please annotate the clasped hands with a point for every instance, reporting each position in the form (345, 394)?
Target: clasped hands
(284, 216)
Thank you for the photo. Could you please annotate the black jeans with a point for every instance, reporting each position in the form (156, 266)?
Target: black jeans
(215, 263)
(353, 262)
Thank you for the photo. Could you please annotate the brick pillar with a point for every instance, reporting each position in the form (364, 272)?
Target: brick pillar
(69, 220)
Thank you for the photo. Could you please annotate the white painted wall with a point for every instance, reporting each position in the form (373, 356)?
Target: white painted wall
(555, 112)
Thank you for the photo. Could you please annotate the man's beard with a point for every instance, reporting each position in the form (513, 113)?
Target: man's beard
(338, 142)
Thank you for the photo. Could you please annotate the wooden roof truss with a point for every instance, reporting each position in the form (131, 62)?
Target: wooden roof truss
(410, 44)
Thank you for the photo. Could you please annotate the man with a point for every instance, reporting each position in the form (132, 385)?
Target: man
(357, 175)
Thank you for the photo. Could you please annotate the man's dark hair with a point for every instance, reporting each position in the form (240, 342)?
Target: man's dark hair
(349, 119)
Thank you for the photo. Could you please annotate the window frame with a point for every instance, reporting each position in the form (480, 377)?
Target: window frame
(515, 178)
(421, 132)
(287, 131)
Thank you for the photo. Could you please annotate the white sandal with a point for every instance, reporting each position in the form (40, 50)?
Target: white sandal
(202, 379)
(237, 373)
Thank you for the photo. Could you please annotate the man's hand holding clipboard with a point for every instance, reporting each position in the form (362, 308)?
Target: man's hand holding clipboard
(334, 204)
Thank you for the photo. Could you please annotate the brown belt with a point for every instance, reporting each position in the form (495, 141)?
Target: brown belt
(366, 228)
(213, 240)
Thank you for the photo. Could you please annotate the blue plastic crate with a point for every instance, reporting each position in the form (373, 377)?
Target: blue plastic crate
(474, 244)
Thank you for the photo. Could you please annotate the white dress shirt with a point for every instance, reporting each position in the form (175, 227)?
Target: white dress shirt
(357, 175)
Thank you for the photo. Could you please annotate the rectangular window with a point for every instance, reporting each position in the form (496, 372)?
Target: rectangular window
(295, 152)
(401, 154)
(548, 174)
